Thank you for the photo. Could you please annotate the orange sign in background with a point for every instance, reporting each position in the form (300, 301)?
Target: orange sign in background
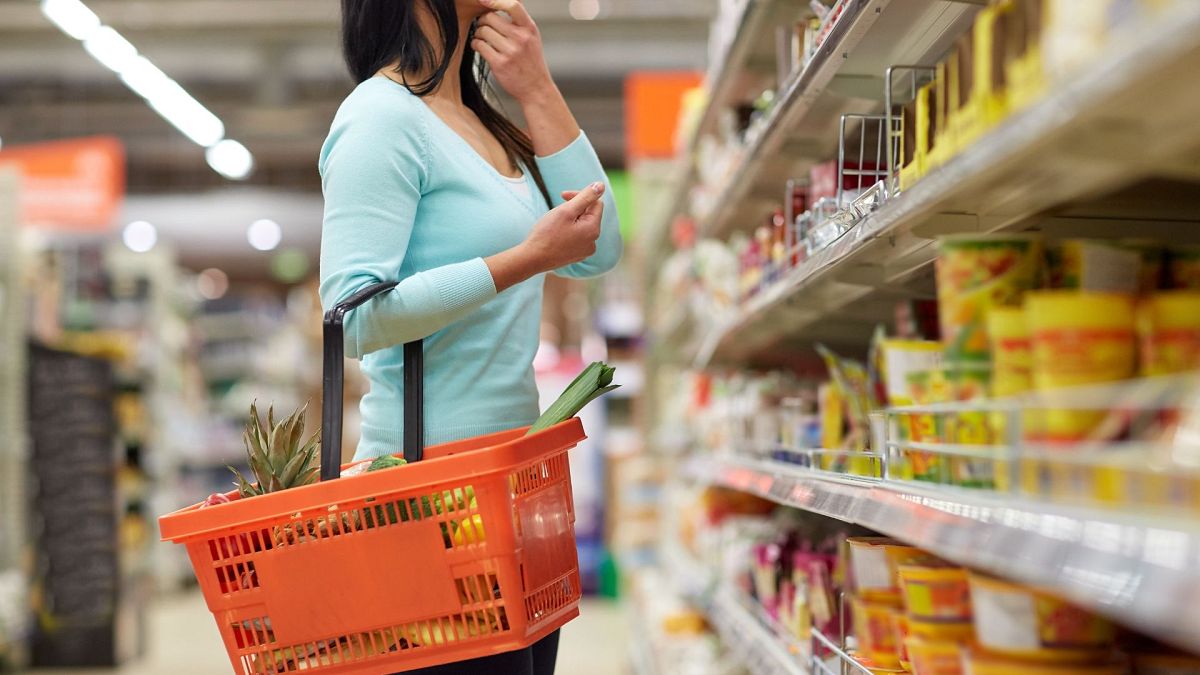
(652, 104)
(69, 185)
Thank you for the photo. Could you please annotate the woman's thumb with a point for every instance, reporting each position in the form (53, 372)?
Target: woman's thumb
(584, 199)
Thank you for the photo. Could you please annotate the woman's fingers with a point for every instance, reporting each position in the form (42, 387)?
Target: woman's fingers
(520, 15)
(493, 37)
(485, 50)
(596, 209)
(584, 199)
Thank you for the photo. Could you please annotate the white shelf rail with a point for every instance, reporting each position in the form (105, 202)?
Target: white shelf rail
(1139, 569)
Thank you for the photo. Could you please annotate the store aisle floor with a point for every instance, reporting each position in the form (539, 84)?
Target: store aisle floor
(183, 641)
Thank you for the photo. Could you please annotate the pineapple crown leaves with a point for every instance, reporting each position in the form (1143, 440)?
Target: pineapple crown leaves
(279, 456)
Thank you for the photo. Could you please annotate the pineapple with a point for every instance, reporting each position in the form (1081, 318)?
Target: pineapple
(279, 456)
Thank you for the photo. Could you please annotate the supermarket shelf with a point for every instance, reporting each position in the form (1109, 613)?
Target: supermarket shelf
(723, 75)
(1140, 570)
(1041, 159)
(845, 75)
(642, 660)
(742, 627)
(753, 643)
(721, 80)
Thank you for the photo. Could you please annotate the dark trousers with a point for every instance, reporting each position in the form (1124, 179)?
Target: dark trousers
(536, 660)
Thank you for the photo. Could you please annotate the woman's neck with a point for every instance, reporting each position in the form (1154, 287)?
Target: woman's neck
(450, 90)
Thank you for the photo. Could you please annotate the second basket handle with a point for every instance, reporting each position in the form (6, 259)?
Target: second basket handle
(333, 385)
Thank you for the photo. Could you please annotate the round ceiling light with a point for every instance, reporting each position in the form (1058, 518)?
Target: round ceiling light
(584, 10)
(264, 234)
(139, 236)
(212, 284)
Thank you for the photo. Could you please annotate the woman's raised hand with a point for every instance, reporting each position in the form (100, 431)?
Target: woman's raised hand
(512, 47)
(563, 236)
(568, 233)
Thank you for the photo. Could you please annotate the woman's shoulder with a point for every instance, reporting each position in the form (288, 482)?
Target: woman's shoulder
(379, 113)
(379, 100)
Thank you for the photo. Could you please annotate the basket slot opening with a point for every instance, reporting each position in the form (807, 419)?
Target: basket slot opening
(237, 577)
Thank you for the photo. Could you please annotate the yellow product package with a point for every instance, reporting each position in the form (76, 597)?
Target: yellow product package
(1023, 622)
(1169, 332)
(1094, 265)
(970, 381)
(900, 359)
(927, 387)
(1183, 267)
(831, 404)
(974, 274)
(1079, 338)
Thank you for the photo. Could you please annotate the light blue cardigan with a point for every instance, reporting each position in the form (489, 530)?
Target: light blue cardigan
(408, 199)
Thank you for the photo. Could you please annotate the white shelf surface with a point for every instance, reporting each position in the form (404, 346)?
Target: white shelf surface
(1089, 135)
(1142, 570)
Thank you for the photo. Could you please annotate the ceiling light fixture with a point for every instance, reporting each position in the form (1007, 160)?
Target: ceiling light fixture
(584, 10)
(72, 16)
(110, 48)
(230, 159)
(212, 283)
(140, 236)
(264, 234)
(227, 157)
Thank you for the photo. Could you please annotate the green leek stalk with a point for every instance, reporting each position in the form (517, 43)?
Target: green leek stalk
(594, 382)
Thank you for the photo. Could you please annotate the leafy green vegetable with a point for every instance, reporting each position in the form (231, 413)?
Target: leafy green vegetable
(386, 462)
(591, 384)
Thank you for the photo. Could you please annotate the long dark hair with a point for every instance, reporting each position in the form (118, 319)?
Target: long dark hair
(378, 33)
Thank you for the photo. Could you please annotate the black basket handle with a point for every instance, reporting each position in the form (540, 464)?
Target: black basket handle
(334, 382)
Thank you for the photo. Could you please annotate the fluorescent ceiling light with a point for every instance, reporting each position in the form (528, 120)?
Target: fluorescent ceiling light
(144, 78)
(227, 157)
(187, 115)
(230, 159)
(111, 49)
(140, 236)
(72, 16)
(264, 235)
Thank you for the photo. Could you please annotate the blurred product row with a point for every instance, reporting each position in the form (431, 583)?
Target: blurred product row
(931, 408)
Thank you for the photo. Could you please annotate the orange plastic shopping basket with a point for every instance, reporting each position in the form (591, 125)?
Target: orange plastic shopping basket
(467, 552)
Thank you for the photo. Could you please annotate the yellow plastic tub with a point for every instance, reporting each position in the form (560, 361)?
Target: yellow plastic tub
(1169, 332)
(1078, 338)
(1183, 267)
(900, 629)
(935, 658)
(974, 274)
(933, 631)
(873, 563)
(873, 626)
(935, 592)
(1025, 623)
(1012, 351)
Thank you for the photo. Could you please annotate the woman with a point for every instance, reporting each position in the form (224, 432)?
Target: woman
(428, 184)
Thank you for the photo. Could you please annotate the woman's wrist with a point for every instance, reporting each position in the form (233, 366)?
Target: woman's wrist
(511, 267)
(542, 93)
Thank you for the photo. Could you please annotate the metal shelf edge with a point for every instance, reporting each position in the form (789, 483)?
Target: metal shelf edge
(1135, 569)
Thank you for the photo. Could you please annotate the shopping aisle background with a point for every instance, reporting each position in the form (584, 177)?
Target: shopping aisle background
(183, 641)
